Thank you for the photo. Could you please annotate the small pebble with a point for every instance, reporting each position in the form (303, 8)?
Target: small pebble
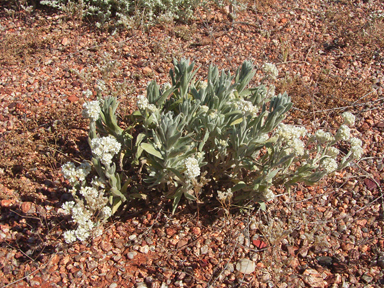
(131, 255)
(204, 249)
(144, 249)
(245, 266)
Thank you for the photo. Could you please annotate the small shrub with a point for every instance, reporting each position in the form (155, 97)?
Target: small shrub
(201, 138)
(123, 11)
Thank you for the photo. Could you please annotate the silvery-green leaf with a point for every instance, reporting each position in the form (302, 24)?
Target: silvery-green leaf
(272, 174)
(116, 203)
(117, 193)
(176, 199)
(125, 186)
(177, 173)
(263, 206)
(238, 186)
(151, 150)
(189, 196)
(237, 121)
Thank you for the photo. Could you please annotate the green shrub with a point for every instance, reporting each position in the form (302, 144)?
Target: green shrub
(123, 11)
(202, 138)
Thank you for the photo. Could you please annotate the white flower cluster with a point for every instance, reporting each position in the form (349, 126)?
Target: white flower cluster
(329, 165)
(100, 84)
(290, 134)
(271, 69)
(333, 152)
(224, 195)
(82, 214)
(96, 182)
(246, 107)
(344, 133)
(87, 93)
(298, 146)
(105, 148)
(73, 173)
(356, 149)
(93, 197)
(143, 103)
(204, 108)
(167, 86)
(202, 85)
(193, 169)
(349, 118)
(324, 137)
(268, 195)
(82, 217)
(223, 143)
(92, 110)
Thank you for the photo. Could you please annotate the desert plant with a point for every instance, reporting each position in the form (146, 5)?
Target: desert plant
(215, 137)
(123, 11)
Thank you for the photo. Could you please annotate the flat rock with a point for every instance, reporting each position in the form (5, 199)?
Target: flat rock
(245, 266)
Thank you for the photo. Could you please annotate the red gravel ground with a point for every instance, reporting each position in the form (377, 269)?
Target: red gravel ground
(330, 56)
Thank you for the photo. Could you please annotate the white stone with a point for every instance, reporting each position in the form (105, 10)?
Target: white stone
(131, 255)
(245, 266)
(144, 249)
(204, 249)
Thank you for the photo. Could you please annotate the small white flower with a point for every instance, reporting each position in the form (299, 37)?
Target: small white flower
(271, 91)
(223, 196)
(200, 155)
(204, 108)
(271, 69)
(192, 165)
(69, 236)
(105, 148)
(83, 170)
(87, 93)
(91, 110)
(343, 133)
(89, 192)
(349, 118)
(203, 85)
(142, 102)
(357, 152)
(100, 84)
(69, 172)
(82, 233)
(97, 183)
(73, 174)
(98, 231)
(67, 207)
(298, 146)
(152, 108)
(89, 225)
(333, 152)
(268, 195)
(355, 142)
(213, 114)
(223, 143)
(324, 137)
(246, 107)
(107, 212)
(80, 215)
(329, 165)
(289, 132)
(167, 86)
